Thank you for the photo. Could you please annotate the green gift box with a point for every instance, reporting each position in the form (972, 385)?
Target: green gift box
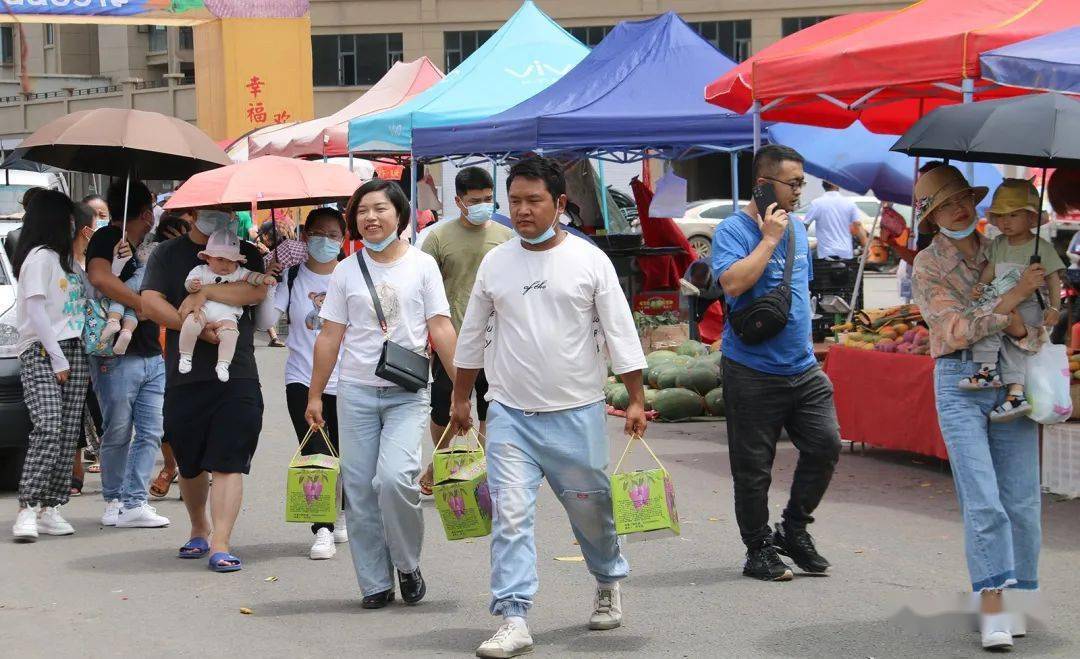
(464, 502)
(449, 460)
(313, 484)
(643, 501)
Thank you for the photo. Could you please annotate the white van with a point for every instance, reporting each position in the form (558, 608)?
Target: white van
(13, 185)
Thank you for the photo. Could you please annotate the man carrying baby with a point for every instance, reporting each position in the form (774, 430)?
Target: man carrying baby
(213, 426)
(129, 386)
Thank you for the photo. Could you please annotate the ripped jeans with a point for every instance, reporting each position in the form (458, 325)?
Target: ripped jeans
(570, 448)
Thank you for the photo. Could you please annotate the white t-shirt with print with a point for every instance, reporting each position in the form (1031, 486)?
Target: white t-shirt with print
(411, 292)
(308, 293)
(542, 325)
(65, 302)
(213, 310)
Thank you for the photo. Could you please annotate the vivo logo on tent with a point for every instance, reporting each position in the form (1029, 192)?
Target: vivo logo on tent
(539, 70)
(397, 130)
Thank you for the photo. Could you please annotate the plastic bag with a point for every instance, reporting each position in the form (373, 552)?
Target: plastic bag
(1047, 388)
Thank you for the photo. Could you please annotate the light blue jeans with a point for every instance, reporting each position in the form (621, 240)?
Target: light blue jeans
(996, 470)
(380, 430)
(131, 392)
(570, 448)
(135, 284)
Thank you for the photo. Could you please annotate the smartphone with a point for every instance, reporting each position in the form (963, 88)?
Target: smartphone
(764, 196)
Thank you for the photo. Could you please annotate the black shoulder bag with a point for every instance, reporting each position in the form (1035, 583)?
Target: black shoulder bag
(764, 317)
(397, 364)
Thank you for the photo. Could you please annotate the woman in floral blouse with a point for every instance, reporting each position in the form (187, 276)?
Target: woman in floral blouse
(995, 465)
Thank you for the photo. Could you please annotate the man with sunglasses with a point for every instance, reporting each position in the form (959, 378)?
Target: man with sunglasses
(774, 384)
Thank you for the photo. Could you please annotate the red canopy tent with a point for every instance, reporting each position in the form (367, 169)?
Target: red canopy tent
(886, 69)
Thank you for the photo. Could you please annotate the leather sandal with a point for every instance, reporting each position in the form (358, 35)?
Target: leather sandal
(163, 483)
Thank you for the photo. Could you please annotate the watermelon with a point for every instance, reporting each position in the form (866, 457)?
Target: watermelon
(702, 380)
(714, 401)
(704, 362)
(645, 375)
(715, 357)
(650, 398)
(677, 404)
(669, 377)
(654, 375)
(660, 357)
(610, 390)
(620, 398)
(681, 360)
(693, 348)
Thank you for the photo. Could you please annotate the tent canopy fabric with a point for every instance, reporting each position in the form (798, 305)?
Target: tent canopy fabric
(1050, 62)
(886, 69)
(329, 136)
(639, 88)
(860, 161)
(528, 53)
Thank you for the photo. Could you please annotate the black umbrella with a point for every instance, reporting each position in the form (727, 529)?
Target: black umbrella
(1036, 130)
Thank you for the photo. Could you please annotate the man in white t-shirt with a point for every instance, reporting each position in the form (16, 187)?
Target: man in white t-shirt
(838, 219)
(545, 313)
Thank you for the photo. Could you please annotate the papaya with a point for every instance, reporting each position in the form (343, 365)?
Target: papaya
(678, 404)
(693, 348)
(701, 379)
(620, 398)
(669, 377)
(714, 402)
(659, 357)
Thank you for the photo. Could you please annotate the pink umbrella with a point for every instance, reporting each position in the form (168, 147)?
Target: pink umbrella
(266, 182)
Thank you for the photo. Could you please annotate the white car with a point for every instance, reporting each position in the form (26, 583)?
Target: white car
(700, 220)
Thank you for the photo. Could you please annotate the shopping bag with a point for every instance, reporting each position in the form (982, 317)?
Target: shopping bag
(462, 498)
(1047, 388)
(643, 501)
(448, 460)
(313, 484)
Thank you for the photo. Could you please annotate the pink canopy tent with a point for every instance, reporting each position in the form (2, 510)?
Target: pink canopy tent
(328, 136)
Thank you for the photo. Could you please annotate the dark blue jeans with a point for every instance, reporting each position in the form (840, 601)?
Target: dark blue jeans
(758, 407)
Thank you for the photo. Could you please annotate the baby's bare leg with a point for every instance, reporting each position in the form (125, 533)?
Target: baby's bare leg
(189, 335)
(227, 334)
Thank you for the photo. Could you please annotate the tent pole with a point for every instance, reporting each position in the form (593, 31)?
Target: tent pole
(603, 197)
(756, 110)
(967, 85)
(862, 264)
(734, 155)
(415, 221)
(350, 161)
(127, 194)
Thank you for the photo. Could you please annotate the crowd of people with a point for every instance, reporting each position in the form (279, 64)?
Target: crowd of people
(489, 304)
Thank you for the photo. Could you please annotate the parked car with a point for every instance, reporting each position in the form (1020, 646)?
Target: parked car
(700, 220)
(14, 418)
(13, 185)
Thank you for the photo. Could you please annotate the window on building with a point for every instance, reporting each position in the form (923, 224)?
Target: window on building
(791, 25)
(459, 45)
(345, 60)
(592, 34)
(50, 34)
(158, 39)
(730, 37)
(187, 38)
(7, 47)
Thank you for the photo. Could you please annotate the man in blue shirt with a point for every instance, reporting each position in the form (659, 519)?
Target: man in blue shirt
(838, 219)
(776, 384)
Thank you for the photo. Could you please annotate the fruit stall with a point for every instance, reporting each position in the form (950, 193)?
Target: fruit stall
(883, 381)
(681, 384)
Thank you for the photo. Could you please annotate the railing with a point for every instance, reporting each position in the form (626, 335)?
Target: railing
(151, 84)
(89, 91)
(92, 91)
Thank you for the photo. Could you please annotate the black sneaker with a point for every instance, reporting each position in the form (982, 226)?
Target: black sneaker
(765, 564)
(413, 587)
(378, 600)
(799, 547)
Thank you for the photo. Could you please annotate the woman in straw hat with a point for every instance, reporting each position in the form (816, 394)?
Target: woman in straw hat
(995, 466)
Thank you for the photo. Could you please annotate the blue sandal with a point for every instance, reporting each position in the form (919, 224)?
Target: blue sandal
(194, 548)
(223, 561)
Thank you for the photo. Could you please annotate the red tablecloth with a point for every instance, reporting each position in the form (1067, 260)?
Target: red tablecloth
(886, 400)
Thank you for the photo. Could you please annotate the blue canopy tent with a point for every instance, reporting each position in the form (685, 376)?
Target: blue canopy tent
(1050, 62)
(860, 161)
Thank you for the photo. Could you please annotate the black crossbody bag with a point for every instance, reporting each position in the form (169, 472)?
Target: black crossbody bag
(764, 317)
(397, 363)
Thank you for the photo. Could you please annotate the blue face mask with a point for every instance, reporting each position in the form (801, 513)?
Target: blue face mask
(100, 224)
(323, 249)
(480, 213)
(547, 235)
(382, 244)
(962, 233)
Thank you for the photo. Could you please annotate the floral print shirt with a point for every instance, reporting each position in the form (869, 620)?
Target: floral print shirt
(942, 282)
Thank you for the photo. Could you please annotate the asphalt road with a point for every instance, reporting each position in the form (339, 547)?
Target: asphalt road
(889, 525)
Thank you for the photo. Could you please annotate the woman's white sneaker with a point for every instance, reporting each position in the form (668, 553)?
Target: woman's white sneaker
(324, 545)
(341, 530)
(511, 640)
(26, 525)
(607, 607)
(994, 628)
(143, 516)
(51, 522)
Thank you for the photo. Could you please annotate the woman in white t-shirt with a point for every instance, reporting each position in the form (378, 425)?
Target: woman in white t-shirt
(380, 424)
(299, 296)
(50, 307)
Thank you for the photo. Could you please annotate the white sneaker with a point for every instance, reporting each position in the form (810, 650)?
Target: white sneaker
(26, 525)
(607, 608)
(323, 548)
(1018, 626)
(994, 628)
(50, 522)
(222, 370)
(341, 529)
(185, 363)
(511, 640)
(143, 517)
(112, 511)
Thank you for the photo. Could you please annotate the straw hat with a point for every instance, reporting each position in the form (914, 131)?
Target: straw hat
(937, 186)
(223, 244)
